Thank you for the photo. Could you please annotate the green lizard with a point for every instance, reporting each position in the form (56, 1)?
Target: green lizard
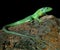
(30, 18)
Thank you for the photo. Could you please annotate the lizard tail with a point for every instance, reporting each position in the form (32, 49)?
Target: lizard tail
(14, 33)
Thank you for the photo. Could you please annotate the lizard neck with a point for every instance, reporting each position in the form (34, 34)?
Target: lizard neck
(37, 14)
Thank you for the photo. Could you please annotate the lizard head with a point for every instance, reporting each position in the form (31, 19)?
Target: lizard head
(41, 12)
(45, 9)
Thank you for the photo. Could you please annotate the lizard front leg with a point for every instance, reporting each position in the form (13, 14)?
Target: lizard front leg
(39, 20)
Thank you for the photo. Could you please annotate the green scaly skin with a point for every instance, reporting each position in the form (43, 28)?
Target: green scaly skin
(34, 16)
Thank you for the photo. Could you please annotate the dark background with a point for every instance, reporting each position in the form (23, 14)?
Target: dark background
(12, 11)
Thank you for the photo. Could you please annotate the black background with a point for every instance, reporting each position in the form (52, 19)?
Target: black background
(12, 11)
